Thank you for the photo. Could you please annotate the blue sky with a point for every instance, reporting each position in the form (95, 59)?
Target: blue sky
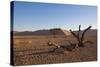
(30, 16)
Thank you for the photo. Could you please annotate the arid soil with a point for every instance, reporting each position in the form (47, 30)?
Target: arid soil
(35, 50)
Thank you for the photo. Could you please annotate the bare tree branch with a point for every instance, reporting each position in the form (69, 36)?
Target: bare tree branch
(85, 32)
(73, 34)
(80, 38)
(78, 35)
(90, 42)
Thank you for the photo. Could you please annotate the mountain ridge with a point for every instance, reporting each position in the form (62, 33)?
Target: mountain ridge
(58, 31)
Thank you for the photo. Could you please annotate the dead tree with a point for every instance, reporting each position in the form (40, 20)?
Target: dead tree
(68, 47)
(79, 38)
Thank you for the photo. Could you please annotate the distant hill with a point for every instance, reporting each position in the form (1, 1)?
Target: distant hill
(56, 31)
(38, 32)
(91, 32)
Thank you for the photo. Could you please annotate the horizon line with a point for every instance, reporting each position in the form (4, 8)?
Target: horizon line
(49, 29)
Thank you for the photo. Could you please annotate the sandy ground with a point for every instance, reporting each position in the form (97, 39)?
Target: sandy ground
(34, 50)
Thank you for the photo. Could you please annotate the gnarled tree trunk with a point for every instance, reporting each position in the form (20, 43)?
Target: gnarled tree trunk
(79, 38)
